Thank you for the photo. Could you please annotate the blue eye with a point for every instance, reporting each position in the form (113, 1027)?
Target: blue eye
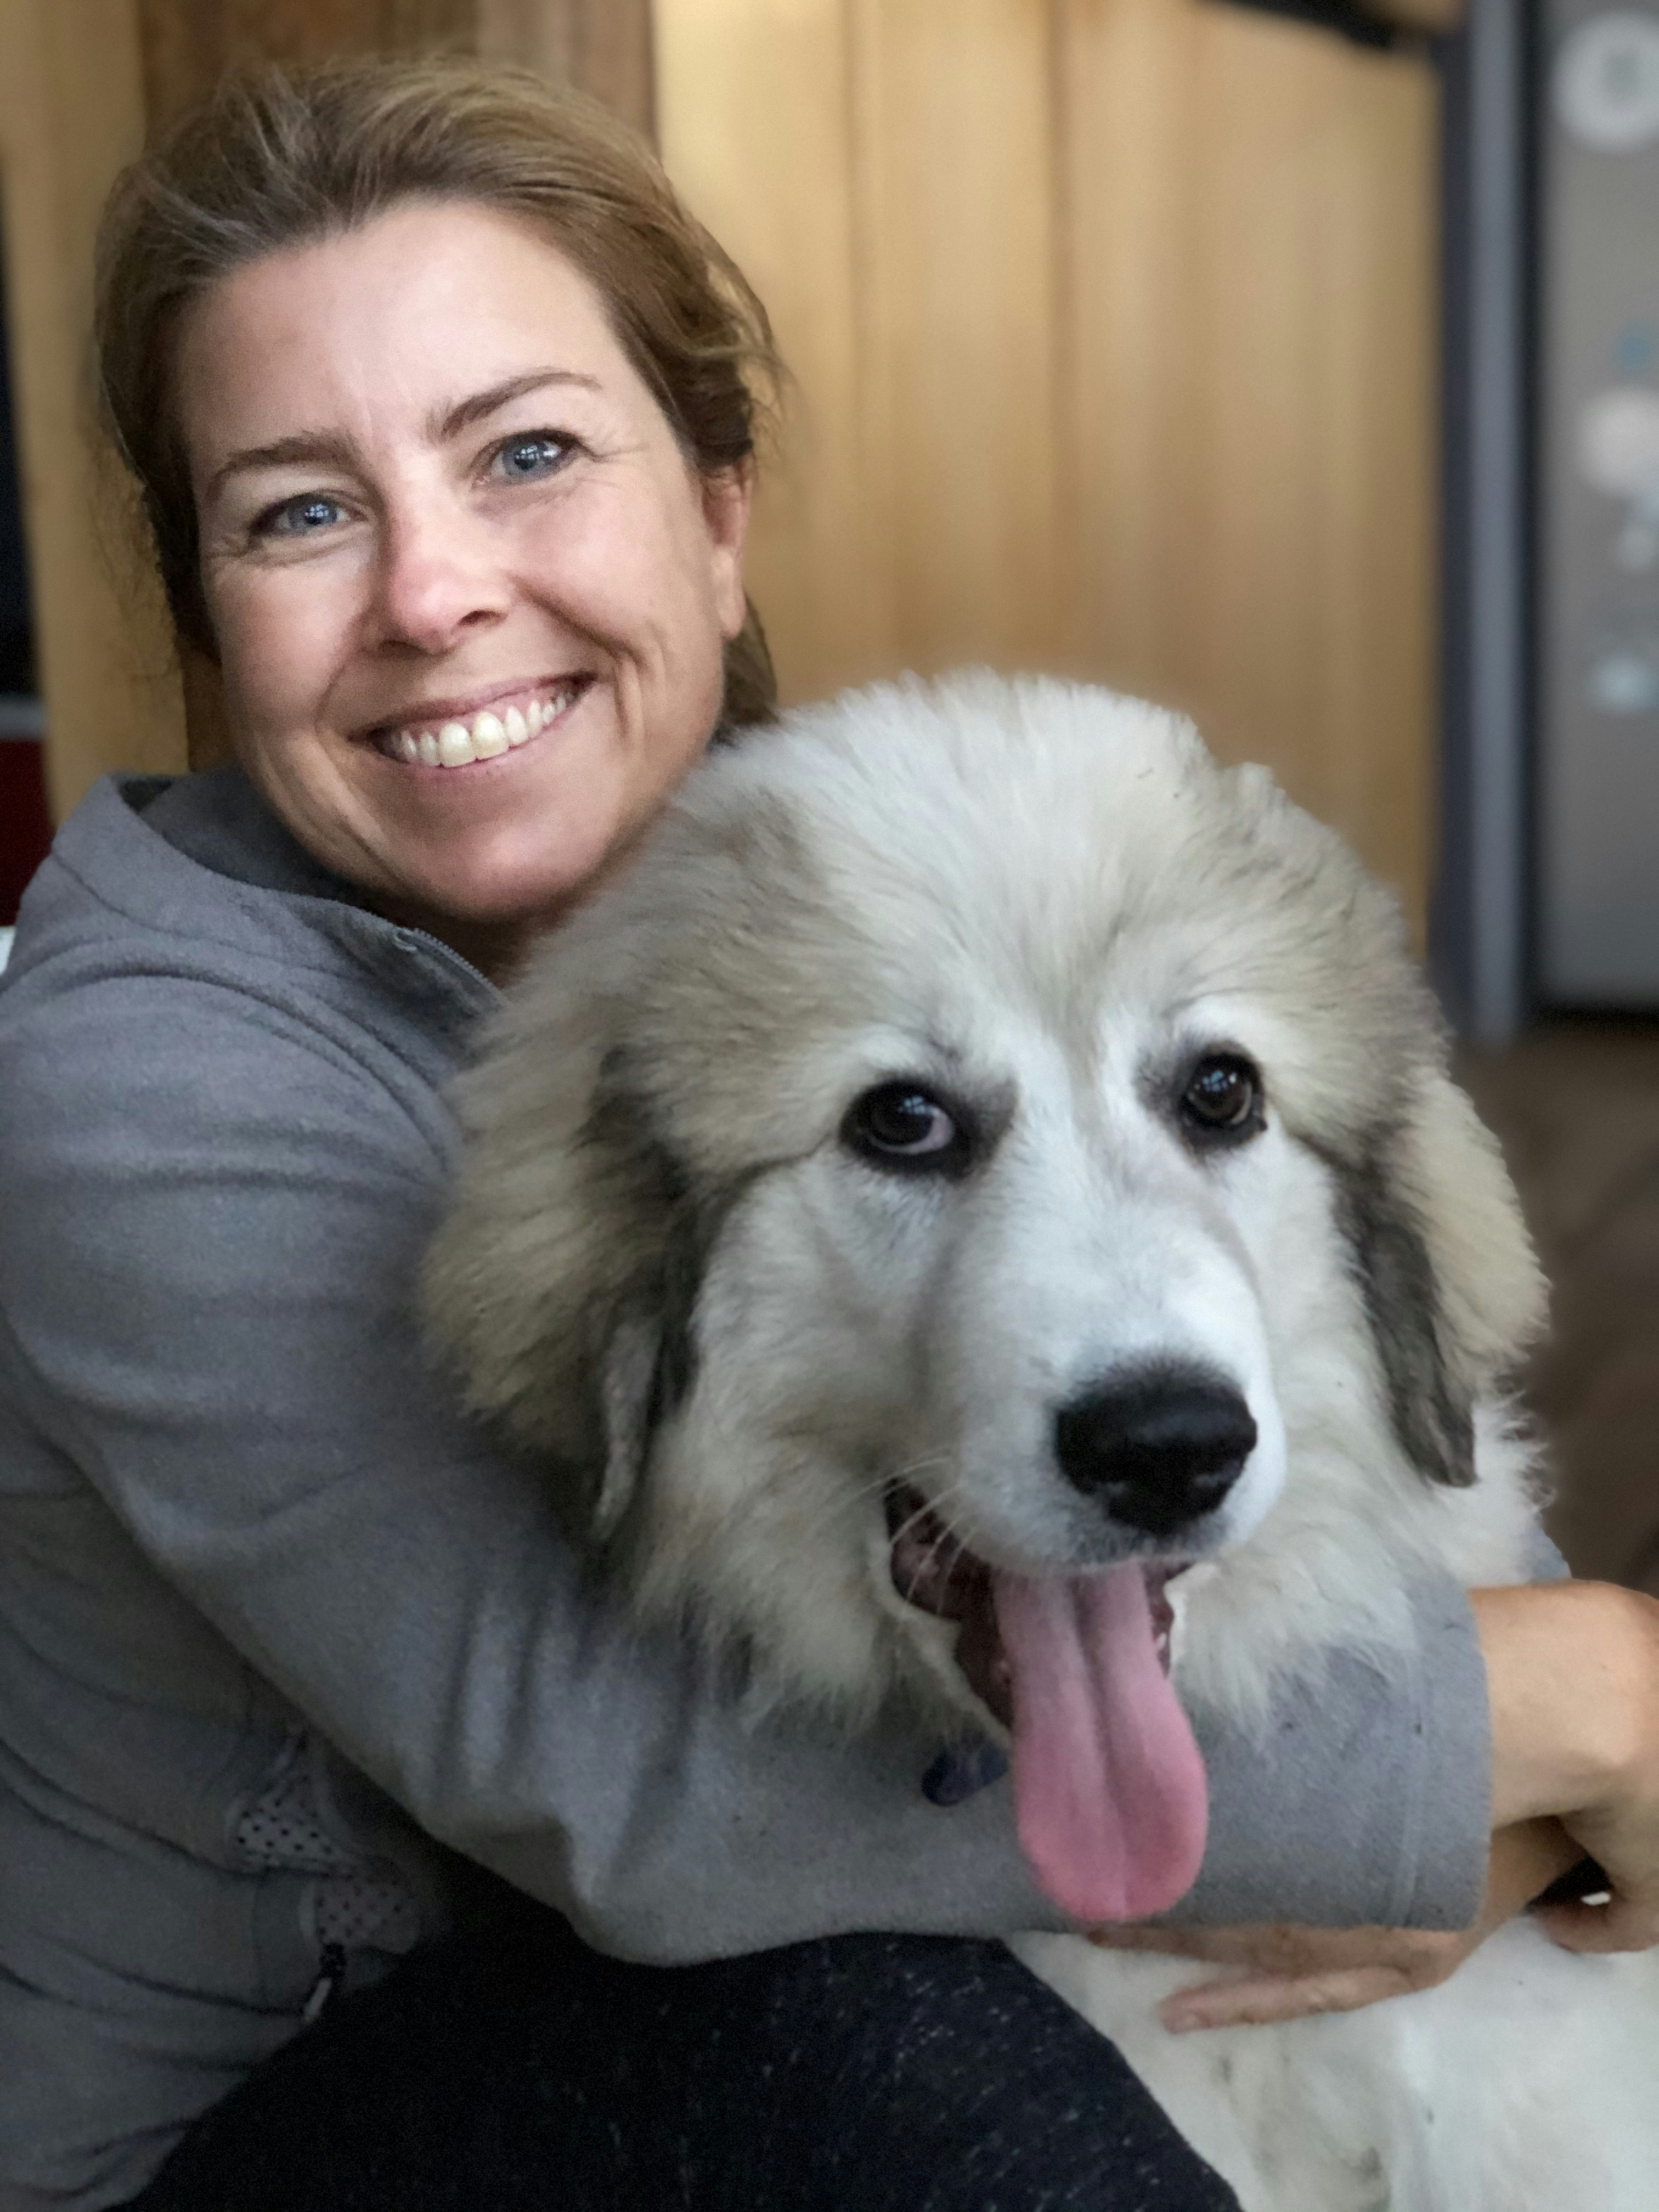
(537, 456)
(300, 517)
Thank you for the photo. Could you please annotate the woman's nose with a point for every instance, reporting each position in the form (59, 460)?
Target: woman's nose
(438, 574)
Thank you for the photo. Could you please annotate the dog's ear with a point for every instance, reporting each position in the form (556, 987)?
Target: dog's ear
(629, 1371)
(546, 1286)
(645, 1366)
(1452, 1289)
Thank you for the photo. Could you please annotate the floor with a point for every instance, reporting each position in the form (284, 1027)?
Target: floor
(1576, 1107)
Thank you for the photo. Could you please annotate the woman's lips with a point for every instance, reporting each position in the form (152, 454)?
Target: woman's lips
(486, 733)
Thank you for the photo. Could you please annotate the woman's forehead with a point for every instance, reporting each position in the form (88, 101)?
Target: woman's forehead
(409, 318)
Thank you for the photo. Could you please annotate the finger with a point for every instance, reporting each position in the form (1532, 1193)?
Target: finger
(1263, 1999)
(1622, 1925)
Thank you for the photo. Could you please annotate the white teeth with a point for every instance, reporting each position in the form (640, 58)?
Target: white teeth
(458, 744)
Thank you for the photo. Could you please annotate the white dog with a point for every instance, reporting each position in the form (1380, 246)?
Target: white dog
(981, 1160)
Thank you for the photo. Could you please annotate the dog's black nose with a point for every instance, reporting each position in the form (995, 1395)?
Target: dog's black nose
(1159, 1450)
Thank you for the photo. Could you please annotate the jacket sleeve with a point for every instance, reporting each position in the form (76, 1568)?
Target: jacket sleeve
(212, 1223)
(1367, 1799)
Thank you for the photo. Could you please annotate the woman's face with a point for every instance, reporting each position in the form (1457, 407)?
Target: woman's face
(470, 596)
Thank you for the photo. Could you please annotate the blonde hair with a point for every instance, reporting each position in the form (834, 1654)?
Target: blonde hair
(282, 158)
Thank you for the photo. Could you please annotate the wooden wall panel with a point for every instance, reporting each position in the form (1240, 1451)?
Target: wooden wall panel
(1111, 324)
(189, 44)
(955, 285)
(749, 96)
(603, 45)
(71, 112)
(870, 163)
(1251, 401)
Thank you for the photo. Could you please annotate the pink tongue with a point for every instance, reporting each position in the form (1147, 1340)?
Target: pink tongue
(1109, 1785)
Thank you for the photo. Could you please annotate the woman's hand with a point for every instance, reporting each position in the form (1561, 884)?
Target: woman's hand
(1572, 1672)
(1283, 1973)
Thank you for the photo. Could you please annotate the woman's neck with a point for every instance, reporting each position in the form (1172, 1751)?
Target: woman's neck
(496, 949)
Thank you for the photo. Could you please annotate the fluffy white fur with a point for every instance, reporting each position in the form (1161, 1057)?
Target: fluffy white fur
(668, 1270)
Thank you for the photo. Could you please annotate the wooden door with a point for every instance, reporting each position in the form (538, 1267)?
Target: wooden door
(71, 112)
(602, 44)
(1111, 323)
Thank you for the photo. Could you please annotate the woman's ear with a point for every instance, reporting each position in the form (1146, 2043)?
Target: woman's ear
(727, 495)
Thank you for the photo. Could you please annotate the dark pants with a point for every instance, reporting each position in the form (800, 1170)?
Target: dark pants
(522, 2072)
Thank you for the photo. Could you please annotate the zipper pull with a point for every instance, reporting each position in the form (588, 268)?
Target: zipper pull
(329, 1983)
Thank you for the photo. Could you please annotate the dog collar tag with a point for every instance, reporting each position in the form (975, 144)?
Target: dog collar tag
(963, 1769)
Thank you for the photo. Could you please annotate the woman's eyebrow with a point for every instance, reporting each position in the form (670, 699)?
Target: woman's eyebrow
(328, 449)
(463, 413)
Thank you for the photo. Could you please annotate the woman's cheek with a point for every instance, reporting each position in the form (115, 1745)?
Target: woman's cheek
(281, 639)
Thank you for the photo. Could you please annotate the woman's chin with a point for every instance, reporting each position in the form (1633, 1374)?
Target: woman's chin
(525, 887)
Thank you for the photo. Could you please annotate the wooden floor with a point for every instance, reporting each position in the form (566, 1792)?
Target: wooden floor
(1576, 1107)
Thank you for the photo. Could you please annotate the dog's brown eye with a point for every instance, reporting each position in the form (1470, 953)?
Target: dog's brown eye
(899, 1125)
(1222, 1096)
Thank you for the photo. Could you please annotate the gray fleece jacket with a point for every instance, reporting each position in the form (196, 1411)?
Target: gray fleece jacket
(291, 1653)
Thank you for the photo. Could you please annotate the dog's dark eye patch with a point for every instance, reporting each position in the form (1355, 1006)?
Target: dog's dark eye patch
(905, 1127)
(1222, 1099)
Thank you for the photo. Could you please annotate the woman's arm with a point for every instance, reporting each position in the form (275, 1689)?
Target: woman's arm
(1281, 1971)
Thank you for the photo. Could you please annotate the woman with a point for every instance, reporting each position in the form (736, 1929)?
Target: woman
(440, 409)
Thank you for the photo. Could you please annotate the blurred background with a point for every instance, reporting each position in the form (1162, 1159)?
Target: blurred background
(1295, 364)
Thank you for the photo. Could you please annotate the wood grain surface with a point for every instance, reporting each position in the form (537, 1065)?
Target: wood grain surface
(188, 45)
(603, 46)
(1112, 329)
(71, 112)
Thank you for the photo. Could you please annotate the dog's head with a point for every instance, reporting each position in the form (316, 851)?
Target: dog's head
(912, 1183)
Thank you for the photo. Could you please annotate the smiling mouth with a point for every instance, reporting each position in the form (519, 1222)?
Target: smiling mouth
(933, 1570)
(458, 741)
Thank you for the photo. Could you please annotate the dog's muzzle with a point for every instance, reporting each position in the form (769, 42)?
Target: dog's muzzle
(933, 1570)
(1159, 1450)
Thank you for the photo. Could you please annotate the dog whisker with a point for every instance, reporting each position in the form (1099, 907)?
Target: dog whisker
(827, 1513)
